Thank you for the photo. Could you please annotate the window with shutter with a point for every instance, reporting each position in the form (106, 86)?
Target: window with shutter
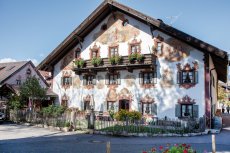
(94, 80)
(195, 111)
(113, 79)
(178, 110)
(147, 77)
(107, 79)
(84, 80)
(141, 78)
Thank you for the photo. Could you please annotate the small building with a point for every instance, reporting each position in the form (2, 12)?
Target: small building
(119, 58)
(12, 75)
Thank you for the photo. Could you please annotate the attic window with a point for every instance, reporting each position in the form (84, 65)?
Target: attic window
(125, 22)
(104, 27)
(28, 71)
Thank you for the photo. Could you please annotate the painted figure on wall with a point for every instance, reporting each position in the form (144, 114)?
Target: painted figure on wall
(116, 30)
(112, 95)
(167, 78)
(130, 80)
(77, 82)
(170, 49)
(100, 84)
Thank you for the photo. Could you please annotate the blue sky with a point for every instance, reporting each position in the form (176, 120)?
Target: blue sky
(31, 29)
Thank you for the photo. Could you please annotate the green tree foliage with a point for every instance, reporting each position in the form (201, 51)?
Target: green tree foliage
(222, 95)
(122, 115)
(14, 102)
(31, 89)
(53, 111)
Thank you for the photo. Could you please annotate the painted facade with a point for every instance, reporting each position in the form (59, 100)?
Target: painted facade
(165, 93)
(176, 78)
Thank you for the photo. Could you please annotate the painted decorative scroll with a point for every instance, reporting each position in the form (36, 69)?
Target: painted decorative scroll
(114, 32)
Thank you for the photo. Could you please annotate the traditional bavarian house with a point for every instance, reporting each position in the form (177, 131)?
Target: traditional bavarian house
(119, 58)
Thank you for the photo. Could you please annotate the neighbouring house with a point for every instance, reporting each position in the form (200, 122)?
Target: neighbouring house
(12, 75)
(119, 58)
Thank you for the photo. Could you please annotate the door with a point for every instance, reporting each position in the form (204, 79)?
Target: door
(124, 104)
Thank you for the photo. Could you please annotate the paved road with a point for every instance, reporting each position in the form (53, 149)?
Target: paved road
(23, 139)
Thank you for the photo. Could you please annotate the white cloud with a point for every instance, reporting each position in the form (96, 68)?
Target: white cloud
(6, 60)
(34, 61)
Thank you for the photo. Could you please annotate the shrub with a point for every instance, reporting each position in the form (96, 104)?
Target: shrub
(134, 115)
(53, 111)
(122, 115)
(67, 124)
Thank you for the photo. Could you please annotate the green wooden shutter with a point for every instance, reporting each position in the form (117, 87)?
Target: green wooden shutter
(154, 109)
(118, 79)
(179, 77)
(84, 80)
(141, 78)
(107, 79)
(62, 81)
(70, 81)
(178, 110)
(94, 79)
(154, 78)
(140, 107)
(196, 76)
(195, 111)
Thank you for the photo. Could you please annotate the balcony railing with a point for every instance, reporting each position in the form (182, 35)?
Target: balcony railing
(149, 61)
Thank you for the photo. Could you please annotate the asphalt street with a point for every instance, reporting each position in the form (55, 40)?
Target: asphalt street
(22, 139)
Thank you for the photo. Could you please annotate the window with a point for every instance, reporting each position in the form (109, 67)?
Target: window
(146, 108)
(87, 105)
(113, 51)
(77, 53)
(186, 110)
(110, 105)
(135, 49)
(112, 79)
(94, 54)
(18, 82)
(89, 80)
(159, 47)
(187, 77)
(147, 77)
(213, 81)
(64, 103)
(66, 81)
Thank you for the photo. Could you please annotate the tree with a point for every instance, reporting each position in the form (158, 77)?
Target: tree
(31, 89)
(222, 95)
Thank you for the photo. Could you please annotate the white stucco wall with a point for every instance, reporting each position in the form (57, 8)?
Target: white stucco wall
(165, 97)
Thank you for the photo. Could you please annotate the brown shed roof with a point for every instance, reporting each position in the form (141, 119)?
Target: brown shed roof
(219, 56)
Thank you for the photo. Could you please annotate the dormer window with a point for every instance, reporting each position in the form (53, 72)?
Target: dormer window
(18, 80)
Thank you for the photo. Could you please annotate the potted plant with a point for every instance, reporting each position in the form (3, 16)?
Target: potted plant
(112, 60)
(96, 61)
(118, 59)
(79, 63)
(131, 58)
(140, 58)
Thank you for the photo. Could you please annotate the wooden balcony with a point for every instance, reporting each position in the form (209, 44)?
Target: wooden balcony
(149, 62)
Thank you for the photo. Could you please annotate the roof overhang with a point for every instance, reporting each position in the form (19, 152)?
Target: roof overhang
(220, 57)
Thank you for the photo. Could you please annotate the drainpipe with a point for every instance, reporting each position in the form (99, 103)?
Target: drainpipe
(210, 89)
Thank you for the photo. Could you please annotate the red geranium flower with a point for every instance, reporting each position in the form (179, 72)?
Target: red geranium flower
(154, 149)
(184, 145)
(144, 152)
(185, 151)
(161, 147)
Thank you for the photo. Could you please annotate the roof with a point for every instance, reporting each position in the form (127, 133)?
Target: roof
(220, 57)
(9, 69)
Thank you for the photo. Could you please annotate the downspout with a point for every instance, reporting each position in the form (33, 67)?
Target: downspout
(210, 86)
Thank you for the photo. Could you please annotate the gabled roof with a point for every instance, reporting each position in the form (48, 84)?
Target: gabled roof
(8, 69)
(220, 57)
